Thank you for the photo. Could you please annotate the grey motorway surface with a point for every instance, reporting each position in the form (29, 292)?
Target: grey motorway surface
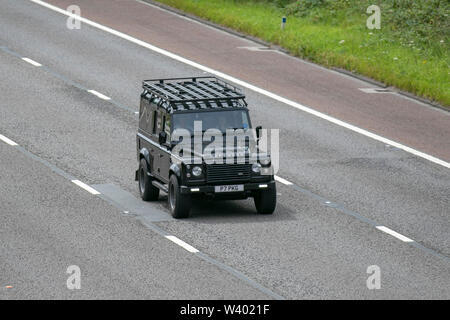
(305, 250)
(48, 224)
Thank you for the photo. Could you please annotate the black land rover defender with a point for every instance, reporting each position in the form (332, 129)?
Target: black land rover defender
(172, 111)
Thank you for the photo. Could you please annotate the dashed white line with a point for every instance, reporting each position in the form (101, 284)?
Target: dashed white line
(98, 94)
(8, 141)
(394, 234)
(86, 187)
(32, 62)
(183, 244)
(283, 181)
(246, 85)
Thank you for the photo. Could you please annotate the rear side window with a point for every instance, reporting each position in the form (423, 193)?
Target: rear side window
(145, 115)
(154, 116)
(157, 122)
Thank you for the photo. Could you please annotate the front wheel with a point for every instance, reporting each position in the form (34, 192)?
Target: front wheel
(147, 190)
(179, 204)
(266, 201)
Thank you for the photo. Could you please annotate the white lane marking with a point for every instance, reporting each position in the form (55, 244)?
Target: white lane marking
(394, 234)
(246, 85)
(8, 141)
(98, 94)
(183, 244)
(86, 187)
(284, 181)
(32, 62)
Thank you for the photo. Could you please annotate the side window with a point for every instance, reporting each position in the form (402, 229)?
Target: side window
(157, 122)
(145, 103)
(142, 123)
(167, 126)
(154, 124)
(141, 107)
(145, 115)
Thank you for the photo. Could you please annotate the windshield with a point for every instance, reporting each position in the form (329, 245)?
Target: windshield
(221, 120)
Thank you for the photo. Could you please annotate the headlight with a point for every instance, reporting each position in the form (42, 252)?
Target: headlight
(256, 168)
(265, 161)
(197, 171)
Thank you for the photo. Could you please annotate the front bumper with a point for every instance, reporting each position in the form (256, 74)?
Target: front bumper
(210, 189)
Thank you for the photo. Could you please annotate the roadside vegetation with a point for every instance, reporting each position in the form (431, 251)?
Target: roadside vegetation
(411, 50)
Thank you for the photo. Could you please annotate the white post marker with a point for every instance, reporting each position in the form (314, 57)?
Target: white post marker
(283, 22)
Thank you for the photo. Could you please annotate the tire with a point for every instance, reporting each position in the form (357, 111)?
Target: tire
(147, 190)
(179, 204)
(266, 201)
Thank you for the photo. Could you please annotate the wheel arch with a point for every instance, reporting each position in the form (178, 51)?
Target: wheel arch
(176, 170)
(144, 154)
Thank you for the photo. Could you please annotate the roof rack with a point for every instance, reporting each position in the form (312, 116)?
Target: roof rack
(195, 93)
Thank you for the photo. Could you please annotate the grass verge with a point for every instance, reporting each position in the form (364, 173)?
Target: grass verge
(411, 50)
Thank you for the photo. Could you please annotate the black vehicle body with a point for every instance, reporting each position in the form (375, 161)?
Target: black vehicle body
(164, 103)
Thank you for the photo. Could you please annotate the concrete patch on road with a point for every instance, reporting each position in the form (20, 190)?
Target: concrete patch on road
(376, 90)
(259, 49)
(130, 204)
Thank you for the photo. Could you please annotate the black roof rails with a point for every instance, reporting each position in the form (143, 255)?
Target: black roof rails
(195, 93)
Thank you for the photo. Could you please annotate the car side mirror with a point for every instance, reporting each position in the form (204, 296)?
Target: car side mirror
(162, 138)
(258, 132)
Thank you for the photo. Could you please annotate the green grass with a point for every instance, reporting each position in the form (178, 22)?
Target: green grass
(411, 50)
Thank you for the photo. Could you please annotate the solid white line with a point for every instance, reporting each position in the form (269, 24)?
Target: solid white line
(85, 187)
(183, 244)
(284, 181)
(246, 85)
(98, 94)
(34, 63)
(394, 234)
(8, 141)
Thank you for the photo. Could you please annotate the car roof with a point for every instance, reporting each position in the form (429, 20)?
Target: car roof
(197, 93)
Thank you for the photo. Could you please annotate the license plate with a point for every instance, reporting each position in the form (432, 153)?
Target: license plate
(230, 188)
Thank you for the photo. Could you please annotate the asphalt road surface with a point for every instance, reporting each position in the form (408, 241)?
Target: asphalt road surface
(346, 200)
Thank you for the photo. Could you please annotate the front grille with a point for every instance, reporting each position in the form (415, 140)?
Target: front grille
(228, 172)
